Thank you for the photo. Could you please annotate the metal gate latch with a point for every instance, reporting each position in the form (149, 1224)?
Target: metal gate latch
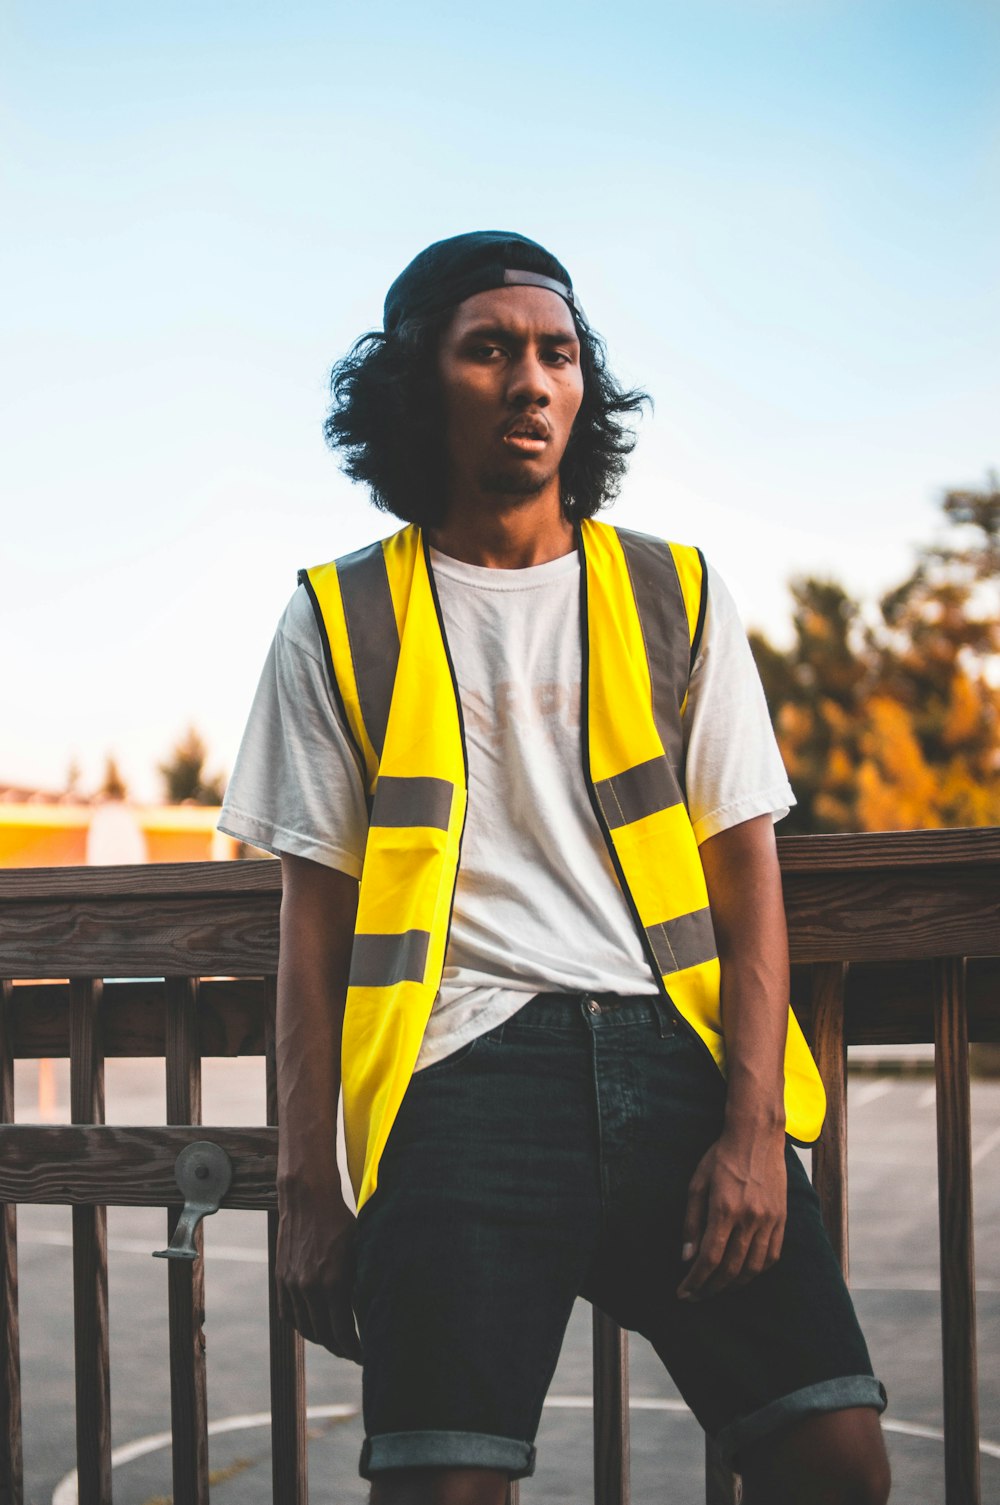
(204, 1172)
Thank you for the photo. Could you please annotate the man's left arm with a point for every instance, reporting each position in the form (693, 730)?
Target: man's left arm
(735, 1219)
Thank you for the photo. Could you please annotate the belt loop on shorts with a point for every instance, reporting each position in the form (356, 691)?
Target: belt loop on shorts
(666, 1020)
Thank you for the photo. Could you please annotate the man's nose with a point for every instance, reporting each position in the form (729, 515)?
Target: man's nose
(529, 382)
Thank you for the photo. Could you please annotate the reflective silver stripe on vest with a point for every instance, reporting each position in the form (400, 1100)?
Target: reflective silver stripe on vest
(683, 942)
(638, 792)
(372, 634)
(412, 802)
(660, 603)
(380, 961)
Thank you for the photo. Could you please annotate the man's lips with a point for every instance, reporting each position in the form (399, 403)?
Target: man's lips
(527, 434)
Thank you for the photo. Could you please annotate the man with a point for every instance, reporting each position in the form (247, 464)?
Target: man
(541, 746)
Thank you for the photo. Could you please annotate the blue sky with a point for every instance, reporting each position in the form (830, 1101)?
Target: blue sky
(784, 215)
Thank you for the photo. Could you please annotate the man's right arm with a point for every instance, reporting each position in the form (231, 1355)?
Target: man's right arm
(315, 1257)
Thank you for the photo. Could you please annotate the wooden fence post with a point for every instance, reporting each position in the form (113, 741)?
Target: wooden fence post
(90, 1260)
(611, 1419)
(289, 1459)
(11, 1465)
(958, 1298)
(830, 1151)
(186, 1281)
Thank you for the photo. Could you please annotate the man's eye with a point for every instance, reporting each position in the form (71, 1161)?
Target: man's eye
(486, 352)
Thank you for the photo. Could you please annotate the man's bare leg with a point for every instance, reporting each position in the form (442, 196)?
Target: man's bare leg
(837, 1458)
(439, 1486)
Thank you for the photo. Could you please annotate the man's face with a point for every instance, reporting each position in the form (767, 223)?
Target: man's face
(511, 385)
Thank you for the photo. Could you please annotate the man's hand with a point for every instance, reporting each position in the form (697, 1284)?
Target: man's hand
(737, 1202)
(314, 1270)
(734, 1223)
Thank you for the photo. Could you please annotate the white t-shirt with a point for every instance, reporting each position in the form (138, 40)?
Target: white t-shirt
(537, 904)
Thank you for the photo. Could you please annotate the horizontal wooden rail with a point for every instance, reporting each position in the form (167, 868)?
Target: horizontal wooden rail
(133, 1016)
(884, 1003)
(891, 915)
(141, 881)
(861, 851)
(849, 898)
(140, 937)
(82, 1165)
(848, 851)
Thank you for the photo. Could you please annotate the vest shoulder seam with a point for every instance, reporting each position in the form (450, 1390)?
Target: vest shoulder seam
(331, 669)
(702, 610)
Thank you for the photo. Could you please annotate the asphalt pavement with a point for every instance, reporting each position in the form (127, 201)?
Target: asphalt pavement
(894, 1269)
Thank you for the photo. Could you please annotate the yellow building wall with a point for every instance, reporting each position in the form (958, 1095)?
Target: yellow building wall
(56, 835)
(43, 835)
(183, 833)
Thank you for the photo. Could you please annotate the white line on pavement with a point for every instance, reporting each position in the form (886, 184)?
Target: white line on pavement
(59, 1240)
(871, 1092)
(66, 1492)
(222, 1252)
(918, 1283)
(912, 1429)
(989, 1143)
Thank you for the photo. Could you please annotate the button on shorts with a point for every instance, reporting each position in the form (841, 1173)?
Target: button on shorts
(551, 1158)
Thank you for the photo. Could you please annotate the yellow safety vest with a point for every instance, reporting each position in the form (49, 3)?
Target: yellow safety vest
(387, 654)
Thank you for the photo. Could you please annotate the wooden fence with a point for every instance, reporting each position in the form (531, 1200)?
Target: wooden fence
(895, 938)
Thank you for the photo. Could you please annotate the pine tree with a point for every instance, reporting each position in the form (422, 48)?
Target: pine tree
(183, 774)
(113, 786)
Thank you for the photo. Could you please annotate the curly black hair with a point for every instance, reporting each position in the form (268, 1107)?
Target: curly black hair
(386, 419)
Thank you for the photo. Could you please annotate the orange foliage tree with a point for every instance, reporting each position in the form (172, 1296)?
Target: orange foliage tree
(888, 715)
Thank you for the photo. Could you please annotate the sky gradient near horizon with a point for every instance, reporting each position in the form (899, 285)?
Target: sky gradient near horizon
(784, 215)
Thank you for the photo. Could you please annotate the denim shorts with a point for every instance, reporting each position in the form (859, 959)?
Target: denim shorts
(551, 1158)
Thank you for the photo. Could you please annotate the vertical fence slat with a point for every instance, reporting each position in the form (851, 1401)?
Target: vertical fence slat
(186, 1281)
(611, 1435)
(289, 1461)
(958, 1300)
(90, 1260)
(11, 1466)
(830, 1151)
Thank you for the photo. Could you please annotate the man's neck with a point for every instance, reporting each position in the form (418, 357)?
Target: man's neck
(510, 539)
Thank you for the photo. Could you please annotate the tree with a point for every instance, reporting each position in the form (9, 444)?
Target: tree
(183, 774)
(888, 716)
(113, 787)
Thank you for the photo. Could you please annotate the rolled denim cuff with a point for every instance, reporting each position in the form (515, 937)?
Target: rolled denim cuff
(829, 1395)
(446, 1450)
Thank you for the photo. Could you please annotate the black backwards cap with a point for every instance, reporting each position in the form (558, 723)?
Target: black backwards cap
(452, 270)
